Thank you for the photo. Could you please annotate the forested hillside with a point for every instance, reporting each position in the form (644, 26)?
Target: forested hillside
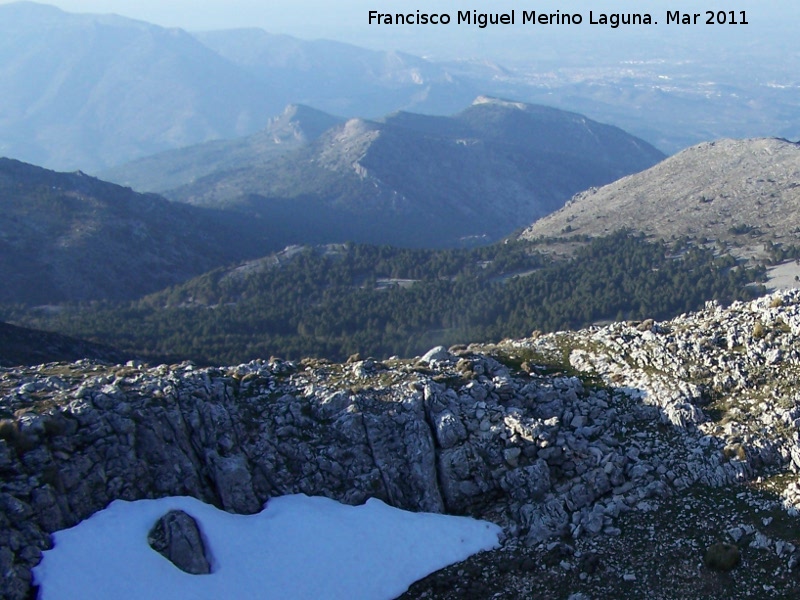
(337, 300)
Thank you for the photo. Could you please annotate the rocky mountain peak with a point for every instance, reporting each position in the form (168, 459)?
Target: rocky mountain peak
(740, 192)
(344, 147)
(480, 100)
(300, 123)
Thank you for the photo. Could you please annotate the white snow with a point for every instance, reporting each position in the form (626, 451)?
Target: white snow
(298, 547)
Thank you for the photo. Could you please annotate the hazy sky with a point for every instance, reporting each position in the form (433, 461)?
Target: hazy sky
(320, 17)
(346, 20)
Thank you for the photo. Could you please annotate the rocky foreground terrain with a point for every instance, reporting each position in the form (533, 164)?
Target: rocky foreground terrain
(613, 457)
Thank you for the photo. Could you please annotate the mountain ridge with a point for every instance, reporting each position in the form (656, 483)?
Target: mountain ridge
(417, 180)
(740, 193)
(295, 126)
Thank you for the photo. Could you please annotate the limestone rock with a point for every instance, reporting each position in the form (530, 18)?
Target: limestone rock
(436, 354)
(652, 413)
(527, 483)
(177, 537)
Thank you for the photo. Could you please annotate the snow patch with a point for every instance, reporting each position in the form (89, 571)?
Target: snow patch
(298, 547)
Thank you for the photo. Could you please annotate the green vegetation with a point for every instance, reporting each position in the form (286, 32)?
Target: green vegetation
(336, 303)
(779, 253)
(529, 360)
(722, 556)
(743, 229)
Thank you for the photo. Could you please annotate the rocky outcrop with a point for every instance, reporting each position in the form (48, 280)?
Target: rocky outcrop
(554, 435)
(177, 538)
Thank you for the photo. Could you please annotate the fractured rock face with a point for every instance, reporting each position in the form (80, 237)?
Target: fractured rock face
(542, 454)
(177, 537)
(527, 483)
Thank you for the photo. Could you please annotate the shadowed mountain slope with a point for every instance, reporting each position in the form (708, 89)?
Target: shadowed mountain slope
(23, 346)
(69, 237)
(415, 180)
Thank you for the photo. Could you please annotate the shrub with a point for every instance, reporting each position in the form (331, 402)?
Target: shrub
(9, 431)
(736, 451)
(722, 556)
(740, 229)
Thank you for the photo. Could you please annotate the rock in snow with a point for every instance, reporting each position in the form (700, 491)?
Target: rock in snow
(177, 537)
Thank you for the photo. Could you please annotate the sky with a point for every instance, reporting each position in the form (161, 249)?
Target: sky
(347, 20)
(297, 548)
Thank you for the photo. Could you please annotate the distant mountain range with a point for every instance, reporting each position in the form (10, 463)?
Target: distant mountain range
(739, 192)
(91, 91)
(411, 179)
(292, 129)
(340, 78)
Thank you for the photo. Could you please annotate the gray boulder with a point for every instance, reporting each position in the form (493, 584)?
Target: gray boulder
(435, 354)
(177, 537)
